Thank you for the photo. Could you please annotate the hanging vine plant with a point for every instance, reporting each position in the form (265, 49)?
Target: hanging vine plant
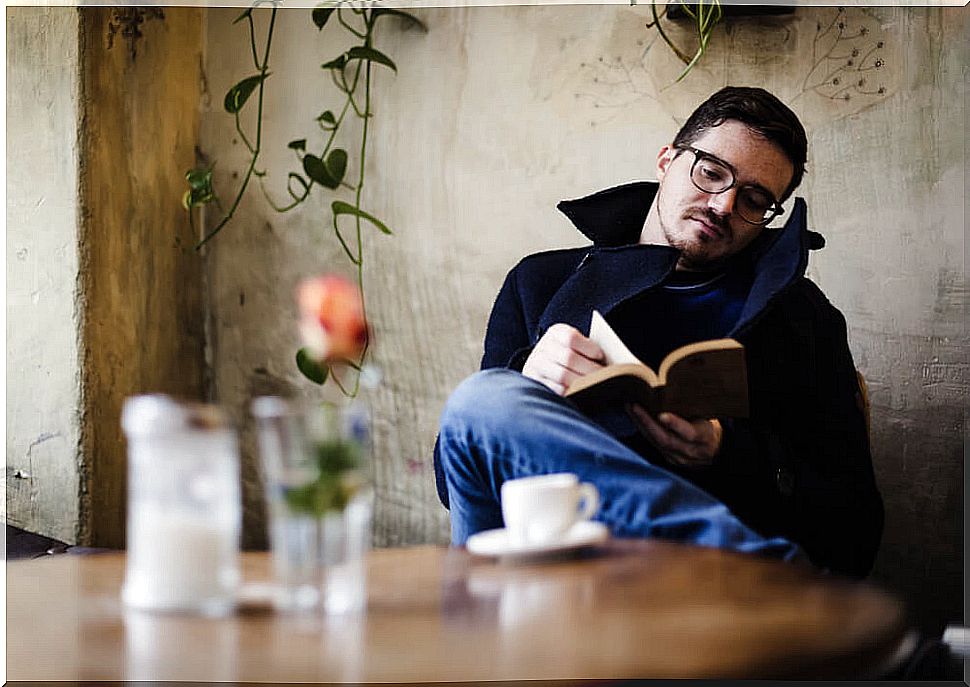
(326, 167)
(703, 15)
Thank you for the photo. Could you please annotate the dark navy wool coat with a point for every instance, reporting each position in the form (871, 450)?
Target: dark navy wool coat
(800, 466)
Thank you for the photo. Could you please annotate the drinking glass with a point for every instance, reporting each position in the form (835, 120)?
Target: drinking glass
(316, 471)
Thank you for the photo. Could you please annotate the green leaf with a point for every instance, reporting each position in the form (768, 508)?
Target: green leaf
(409, 19)
(316, 169)
(321, 15)
(336, 63)
(337, 163)
(199, 178)
(359, 52)
(327, 118)
(237, 96)
(310, 368)
(200, 188)
(339, 207)
(196, 197)
(297, 145)
(244, 15)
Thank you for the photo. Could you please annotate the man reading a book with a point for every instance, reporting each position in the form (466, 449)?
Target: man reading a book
(687, 259)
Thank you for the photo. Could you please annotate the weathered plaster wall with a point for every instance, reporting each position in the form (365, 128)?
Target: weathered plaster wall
(499, 112)
(141, 278)
(43, 384)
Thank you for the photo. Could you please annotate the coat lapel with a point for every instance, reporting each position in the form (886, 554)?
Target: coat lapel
(605, 278)
(782, 261)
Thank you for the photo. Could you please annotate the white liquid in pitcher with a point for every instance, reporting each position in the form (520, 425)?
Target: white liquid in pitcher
(181, 561)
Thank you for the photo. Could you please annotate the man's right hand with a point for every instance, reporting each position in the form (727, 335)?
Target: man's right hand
(561, 356)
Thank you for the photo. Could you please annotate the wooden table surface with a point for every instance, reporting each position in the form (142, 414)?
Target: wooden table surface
(627, 609)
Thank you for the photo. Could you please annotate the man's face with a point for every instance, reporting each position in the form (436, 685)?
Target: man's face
(706, 226)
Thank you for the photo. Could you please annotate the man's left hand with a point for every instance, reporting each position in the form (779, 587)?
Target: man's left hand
(693, 443)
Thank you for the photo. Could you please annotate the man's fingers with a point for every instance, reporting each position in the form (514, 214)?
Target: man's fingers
(561, 356)
(679, 426)
(654, 432)
(576, 363)
(676, 449)
(571, 338)
(557, 388)
(553, 375)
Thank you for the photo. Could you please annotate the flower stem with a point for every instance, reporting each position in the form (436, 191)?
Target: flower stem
(369, 21)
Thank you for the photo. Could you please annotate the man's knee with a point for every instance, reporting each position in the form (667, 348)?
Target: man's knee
(486, 399)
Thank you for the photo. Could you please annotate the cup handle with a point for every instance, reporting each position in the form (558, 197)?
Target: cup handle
(590, 497)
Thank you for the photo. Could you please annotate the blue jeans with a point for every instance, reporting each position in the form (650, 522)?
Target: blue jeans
(499, 425)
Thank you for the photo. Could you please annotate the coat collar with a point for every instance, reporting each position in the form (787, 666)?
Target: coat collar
(613, 217)
(617, 268)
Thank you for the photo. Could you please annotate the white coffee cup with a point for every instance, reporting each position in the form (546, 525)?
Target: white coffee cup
(540, 509)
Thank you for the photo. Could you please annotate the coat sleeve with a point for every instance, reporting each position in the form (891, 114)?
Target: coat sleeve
(507, 341)
(806, 470)
(838, 512)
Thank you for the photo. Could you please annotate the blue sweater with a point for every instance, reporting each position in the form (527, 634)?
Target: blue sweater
(688, 307)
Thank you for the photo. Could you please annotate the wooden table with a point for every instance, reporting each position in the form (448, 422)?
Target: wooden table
(628, 609)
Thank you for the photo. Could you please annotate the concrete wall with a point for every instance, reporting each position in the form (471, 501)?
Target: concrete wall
(499, 112)
(43, 373)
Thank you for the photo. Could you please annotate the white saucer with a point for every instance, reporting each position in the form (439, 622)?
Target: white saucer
(497, 542)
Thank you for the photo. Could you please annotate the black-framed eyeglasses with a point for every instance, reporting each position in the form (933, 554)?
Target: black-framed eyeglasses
(711, 174)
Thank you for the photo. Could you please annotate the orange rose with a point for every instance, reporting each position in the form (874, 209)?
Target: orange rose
(332, 321)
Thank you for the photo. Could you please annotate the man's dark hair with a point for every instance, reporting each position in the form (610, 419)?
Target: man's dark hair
(761, 112)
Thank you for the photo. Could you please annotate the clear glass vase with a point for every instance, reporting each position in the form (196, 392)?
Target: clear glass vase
(317, 477)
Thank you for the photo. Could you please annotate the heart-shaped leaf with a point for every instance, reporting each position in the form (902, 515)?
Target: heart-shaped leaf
(321, 15)
(310, 368)
(327, 118)
(337, 163)
(297, 145)
(360, 52)
(409, 19)
(316, 169)
(237, 96)
(336, 63)
(339, 207)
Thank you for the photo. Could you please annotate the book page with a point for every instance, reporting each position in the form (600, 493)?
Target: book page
(613, 347)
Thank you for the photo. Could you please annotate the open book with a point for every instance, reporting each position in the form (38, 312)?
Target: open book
(699, 380)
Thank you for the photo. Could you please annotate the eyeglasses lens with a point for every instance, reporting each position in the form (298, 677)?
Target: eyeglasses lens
(755, 206)
(711, 176)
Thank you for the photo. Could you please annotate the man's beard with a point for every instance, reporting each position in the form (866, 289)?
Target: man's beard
(694, 253)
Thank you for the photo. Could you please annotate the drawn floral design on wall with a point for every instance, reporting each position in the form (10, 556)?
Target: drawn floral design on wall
(613, 82)
(848, 59)
(826, 62)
